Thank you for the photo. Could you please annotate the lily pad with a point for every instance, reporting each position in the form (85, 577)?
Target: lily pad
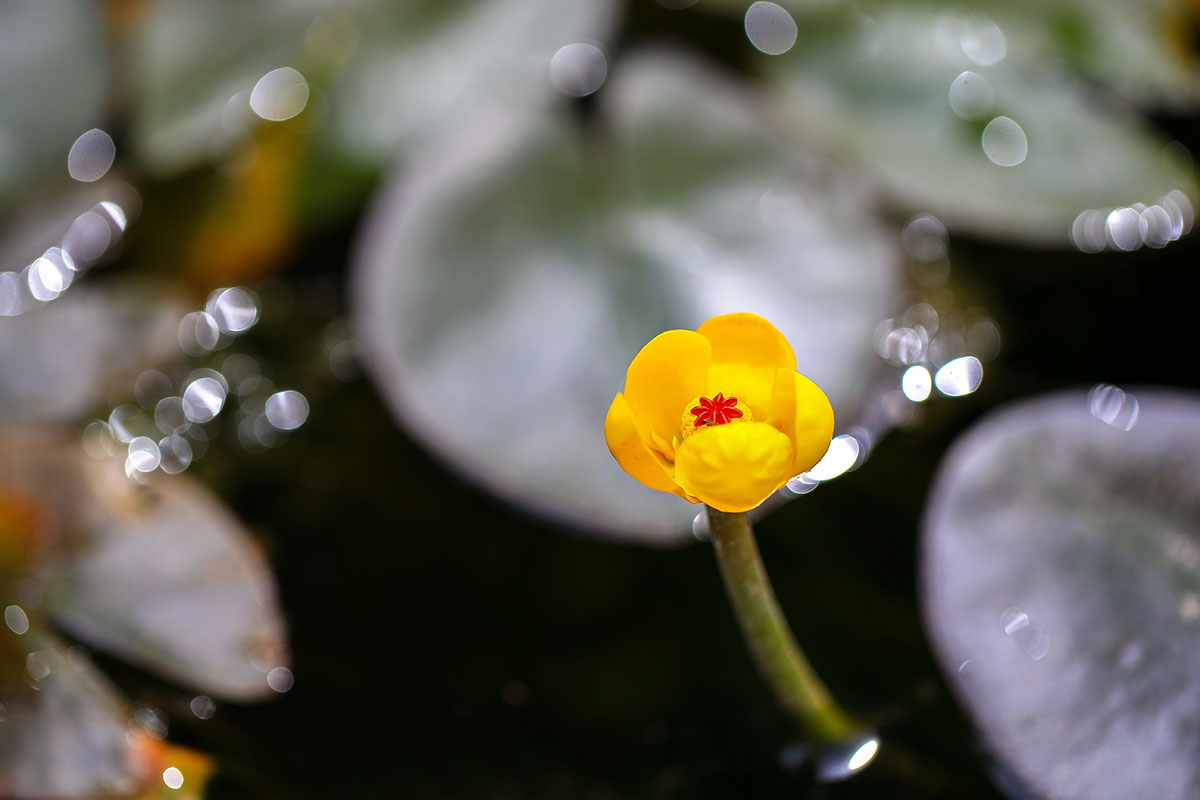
(1017, 152)
(386, 71)
(1061, 588)
(69, 736)
(59, 359)
(162, 575)
(54, 58)
(505, 283)
(165, 577)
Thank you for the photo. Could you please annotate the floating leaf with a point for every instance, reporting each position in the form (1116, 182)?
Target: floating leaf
(160, 575)
(1061, 580)
(506, 283)
(69, 736)
(388, 70)
(1017, 148)
(59, 359)
(165, 577)
(53, 56)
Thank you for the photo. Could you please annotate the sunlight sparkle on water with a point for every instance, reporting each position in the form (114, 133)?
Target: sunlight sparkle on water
(958, 377)
(203, 706)
(841, 456)
(1004, 142)
(281, 679)
(280, 94)
(203, 399)
(1112, 406)
(16, 619)
(770, 28)
(578, 69)
(971, 96)
(172, 777)
(287, 410)
(916, 383)
(91, 156)
(863, 755)
(234, 310)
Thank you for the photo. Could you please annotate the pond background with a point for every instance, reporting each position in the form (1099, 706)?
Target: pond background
(446, 644)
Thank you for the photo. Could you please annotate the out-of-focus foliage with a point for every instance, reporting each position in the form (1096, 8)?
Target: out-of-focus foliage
(385, 72)
(66, 735)
(523, 248)
(164, 577)
(504, 286)
(912, 91)
(59, 49)
(1061, 578)
(65, 357)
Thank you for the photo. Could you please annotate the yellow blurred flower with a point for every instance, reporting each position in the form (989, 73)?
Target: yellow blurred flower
(718, 415)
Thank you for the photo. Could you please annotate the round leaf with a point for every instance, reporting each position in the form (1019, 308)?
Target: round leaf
(505, 284)
(1019, 156)
(1061, 583)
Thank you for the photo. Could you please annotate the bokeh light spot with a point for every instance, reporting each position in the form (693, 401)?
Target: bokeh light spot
(770, 28)
(280, 94)
(578, 69)
(287, 410)
(91, 156)
(1004, 142)
(172, 777)
(971, 96)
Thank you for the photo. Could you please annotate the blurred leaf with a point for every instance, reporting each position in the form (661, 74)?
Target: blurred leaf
(54, 59)
(879, 86)
(165, 577)
(1061, 584)
(59, 359)
(67, 738)
(506, 283)
(386, 71)
(1141, 50)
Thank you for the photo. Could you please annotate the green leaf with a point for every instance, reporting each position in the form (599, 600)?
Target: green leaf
(165, 577)
(69, 736)
(386, 71)
(879, 88)
(59, 359)
(506, 283)
(53, 57)
(1061, 583)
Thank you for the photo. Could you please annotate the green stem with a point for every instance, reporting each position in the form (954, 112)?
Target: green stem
(779, 658)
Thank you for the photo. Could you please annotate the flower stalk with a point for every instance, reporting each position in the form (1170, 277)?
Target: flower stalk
(779, 658)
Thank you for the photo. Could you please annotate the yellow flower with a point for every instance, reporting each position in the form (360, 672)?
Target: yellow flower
(718, 415)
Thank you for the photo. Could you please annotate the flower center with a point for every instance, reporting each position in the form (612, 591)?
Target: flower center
(707, 411)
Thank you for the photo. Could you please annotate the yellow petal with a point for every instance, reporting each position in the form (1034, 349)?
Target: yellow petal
(631, 452)
(750, 385)
(665, 375)
(801, 410)
(734, 467)
(747, 339)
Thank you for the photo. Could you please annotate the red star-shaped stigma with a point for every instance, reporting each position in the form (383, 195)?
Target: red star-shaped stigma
(717, 411)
